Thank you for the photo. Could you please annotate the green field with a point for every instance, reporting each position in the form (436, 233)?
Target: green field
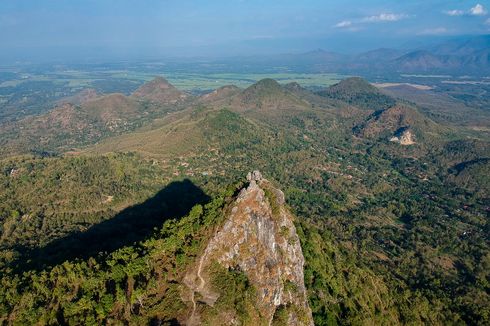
(184, 81)
(212, 81)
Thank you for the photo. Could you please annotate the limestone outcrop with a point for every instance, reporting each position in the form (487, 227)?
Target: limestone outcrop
(258, 239)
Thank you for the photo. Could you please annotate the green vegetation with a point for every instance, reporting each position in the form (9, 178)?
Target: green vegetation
(271, 197)
(236, 296)
(134, 284)
(391, 234)
(46, 198)
(358, 92)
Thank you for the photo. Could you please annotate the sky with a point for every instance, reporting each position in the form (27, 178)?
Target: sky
(58, 29)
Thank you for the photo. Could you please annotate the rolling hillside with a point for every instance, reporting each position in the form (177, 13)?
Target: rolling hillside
(358, 92)
(90, 118)
(407, 222)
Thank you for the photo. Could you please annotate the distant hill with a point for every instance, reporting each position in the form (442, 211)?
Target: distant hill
(267, 94)
(266, 98)
(160, 91)
(461, 55)
(360, 105)
(439, 106)
(382, 55)
(461, 46)
(93, 118)
(358, 92)
(220, 93)
(423, 60)
(111, 108)
(72, 125)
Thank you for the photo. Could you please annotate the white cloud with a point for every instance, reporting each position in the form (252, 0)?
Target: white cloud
(384, 17)
(354, 25)
(454, 12)
(344, 23)
(478, 10)
(434, 31)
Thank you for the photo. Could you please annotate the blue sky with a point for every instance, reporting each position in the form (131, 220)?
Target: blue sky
(230, 27)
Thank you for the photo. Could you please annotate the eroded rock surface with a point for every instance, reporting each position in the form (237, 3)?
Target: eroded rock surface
(259, 239)
(405, 138)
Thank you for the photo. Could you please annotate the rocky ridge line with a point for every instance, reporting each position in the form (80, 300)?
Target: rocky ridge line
(259, 239)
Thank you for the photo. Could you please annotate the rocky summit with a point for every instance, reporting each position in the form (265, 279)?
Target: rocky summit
(258, 239)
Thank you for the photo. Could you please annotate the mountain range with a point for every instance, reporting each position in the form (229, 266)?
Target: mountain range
(461, 56)
(93, 119)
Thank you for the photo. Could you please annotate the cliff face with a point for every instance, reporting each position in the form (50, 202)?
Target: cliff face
(258, 240)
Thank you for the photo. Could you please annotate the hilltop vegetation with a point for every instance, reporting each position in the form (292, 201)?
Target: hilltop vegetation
(358, 92)
(391, 234)
(70, 126)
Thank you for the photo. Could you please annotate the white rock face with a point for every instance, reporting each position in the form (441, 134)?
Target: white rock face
(406, 138)
(259, 238)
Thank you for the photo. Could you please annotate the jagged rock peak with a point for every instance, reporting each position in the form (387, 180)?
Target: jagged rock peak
(259, 240)
(254, 176)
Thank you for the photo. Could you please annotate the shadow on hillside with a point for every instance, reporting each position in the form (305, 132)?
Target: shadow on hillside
(132, 224)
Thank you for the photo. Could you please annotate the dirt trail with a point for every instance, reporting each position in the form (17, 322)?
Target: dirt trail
(201, 285)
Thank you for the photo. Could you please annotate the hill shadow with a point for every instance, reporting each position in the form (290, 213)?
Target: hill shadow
(132, 224)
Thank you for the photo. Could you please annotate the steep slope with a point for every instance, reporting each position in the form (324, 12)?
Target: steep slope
(160, 91)
(259, 240)
(358, 92)
(402, 124)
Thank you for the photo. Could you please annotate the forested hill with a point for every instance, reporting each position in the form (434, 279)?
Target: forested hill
(390, 200)
(181, 272)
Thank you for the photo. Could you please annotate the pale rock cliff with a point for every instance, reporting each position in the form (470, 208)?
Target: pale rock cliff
(259, 239)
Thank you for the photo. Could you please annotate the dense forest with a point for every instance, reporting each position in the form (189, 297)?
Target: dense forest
(391, 234)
